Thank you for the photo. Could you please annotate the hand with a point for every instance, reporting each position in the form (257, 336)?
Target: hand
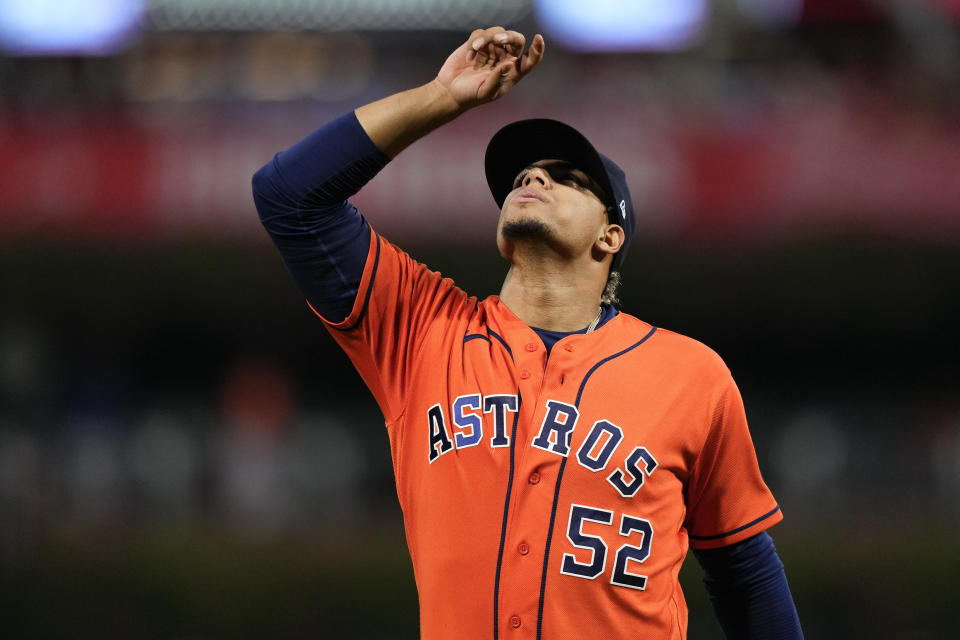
(488, 65)
(482, 69)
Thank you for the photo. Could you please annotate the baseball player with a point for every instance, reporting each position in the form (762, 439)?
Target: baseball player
(554, 457)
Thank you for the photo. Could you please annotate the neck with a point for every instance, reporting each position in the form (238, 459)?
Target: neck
(551, 296)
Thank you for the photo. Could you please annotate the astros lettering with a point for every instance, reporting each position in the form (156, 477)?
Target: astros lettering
(555, 433)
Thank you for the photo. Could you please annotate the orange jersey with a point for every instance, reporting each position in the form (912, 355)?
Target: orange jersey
(549, 497)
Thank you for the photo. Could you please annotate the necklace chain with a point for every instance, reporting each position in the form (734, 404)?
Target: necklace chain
(596, 321)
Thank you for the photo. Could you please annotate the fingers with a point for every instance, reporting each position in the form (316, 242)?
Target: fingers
(490, 40)
(512, 41)
(498, 36)
(499, 54)
(532, 57)
(515, 69)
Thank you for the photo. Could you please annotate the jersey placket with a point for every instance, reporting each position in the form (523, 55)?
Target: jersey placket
(540, 380)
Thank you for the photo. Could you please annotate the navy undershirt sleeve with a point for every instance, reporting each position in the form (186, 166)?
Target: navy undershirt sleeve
(301, 197)
(749, 590)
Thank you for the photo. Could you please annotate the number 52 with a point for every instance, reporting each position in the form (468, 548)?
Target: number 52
(591, 570)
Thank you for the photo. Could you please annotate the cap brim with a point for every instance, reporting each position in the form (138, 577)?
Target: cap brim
(518, 145)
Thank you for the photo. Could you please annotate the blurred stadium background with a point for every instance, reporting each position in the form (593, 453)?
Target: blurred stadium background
(185, 454)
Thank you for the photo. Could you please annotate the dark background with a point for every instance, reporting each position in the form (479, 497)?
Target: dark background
(184, 453)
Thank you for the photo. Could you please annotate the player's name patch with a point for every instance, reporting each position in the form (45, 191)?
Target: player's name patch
(471, 426)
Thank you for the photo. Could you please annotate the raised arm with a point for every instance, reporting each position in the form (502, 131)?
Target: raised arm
(484, 68)
(301, 194)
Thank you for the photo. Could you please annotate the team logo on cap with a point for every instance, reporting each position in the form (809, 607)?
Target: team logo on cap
(623, 209)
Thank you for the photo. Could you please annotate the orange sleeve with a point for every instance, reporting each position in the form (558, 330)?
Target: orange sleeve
(727, 499)
(397, 303)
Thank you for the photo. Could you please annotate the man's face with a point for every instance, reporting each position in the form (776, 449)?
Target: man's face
(554, 202)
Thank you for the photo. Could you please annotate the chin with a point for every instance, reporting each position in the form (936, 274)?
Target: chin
(526, 229)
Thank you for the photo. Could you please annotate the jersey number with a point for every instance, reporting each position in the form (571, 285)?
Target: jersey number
(591, 570)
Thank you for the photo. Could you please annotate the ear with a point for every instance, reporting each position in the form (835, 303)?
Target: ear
(611, 239)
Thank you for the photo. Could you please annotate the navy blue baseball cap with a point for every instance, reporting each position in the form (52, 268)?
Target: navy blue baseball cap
(519, 144)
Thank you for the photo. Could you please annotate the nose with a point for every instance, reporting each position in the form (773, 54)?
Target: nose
(537, 174)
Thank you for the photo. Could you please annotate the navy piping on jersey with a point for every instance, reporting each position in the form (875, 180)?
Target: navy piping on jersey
(503, 526)
(563, 465)
(479, 336)
(738, 529)
(502, 341)
(550, 337)
(506, 502)
(366, 298)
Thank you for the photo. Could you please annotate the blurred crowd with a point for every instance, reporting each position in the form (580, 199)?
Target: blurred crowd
(251, 460)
